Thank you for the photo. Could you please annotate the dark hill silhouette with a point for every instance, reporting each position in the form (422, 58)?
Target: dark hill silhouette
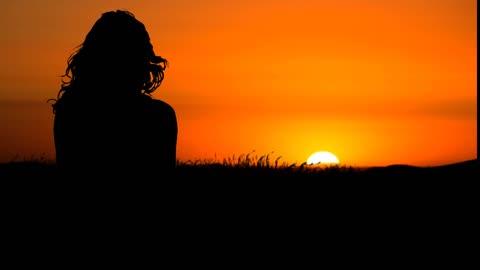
(465, 169)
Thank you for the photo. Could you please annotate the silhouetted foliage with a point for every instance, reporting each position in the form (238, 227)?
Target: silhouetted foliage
(254, 168)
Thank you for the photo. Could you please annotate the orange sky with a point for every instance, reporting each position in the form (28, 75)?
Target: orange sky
(374, 82)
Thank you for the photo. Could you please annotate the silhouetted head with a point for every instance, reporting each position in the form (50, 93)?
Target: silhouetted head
(115, 58)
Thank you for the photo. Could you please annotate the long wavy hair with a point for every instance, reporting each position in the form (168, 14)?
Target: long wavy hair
(116, 58)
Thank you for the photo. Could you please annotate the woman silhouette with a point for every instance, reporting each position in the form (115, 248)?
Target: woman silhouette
(106, 122)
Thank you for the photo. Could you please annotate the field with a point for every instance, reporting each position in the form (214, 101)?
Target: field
(252, 187)
(250, 168)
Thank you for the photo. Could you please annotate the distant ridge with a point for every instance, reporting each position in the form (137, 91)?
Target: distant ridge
(465, 169)
(464, 164)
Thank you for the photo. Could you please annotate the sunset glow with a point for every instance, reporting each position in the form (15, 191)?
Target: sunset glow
(375, 82)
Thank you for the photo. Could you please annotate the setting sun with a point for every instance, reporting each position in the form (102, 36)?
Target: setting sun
(322, 157)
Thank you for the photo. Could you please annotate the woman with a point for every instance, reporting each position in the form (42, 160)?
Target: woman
(106, 121)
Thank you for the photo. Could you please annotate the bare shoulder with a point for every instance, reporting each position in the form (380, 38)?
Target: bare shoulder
(158, 106)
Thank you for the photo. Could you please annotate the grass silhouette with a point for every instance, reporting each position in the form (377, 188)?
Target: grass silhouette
(261, 166)
(244, 166)
(258, 183)
(252, 166)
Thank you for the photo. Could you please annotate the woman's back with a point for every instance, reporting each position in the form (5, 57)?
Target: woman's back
(118, 136)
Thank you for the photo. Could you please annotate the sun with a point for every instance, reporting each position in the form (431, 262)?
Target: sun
(322, 157)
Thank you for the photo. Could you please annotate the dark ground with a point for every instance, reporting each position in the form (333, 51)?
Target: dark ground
(200, 182)
(389, 202)
(395, 214)
(467, 170)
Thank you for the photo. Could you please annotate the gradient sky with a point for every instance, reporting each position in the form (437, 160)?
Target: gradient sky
(374, 82)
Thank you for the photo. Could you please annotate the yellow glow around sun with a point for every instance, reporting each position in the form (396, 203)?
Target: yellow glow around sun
(322, 157)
